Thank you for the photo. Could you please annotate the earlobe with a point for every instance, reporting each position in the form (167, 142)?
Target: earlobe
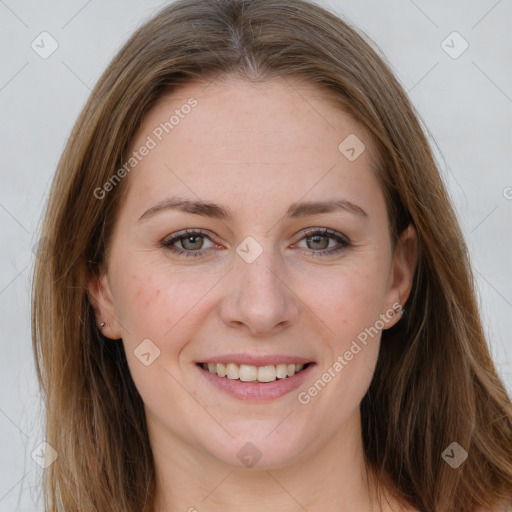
(393, 314)
(100, 298)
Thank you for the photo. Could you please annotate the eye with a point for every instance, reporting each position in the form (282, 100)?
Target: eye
(321, 239)
(318, 242)
(191, 242)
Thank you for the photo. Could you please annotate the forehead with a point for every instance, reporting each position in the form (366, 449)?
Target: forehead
(244, 140)
(276, 111)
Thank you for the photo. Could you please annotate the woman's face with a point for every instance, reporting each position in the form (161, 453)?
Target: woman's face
(288, 260)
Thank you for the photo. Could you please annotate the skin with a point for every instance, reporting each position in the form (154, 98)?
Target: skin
(255, 149)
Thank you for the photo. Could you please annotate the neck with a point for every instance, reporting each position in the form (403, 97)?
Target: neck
(332, 478)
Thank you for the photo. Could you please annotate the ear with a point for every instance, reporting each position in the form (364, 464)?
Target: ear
(404, 264)
(100, 297)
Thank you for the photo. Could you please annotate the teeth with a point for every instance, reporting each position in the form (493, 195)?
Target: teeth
(233, 371)
(281, 371)
(249, 373)
(221, 370)
(267, 373)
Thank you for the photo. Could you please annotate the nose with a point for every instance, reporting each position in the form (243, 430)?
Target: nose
(259, 299)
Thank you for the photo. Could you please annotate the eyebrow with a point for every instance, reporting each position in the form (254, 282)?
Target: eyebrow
(216, 211)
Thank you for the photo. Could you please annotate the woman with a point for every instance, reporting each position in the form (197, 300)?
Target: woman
(322, 349)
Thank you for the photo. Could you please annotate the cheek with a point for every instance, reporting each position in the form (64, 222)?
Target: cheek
(349, 300)
(353, 371)
(350, 306)
(351, 349)
(157, 312)
(155, 299)
(163, 304)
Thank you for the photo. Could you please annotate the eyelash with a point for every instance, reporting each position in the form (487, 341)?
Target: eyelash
(325, 232)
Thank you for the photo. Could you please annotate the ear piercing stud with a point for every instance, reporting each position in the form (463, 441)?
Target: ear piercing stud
(400, 310)
(102, 325)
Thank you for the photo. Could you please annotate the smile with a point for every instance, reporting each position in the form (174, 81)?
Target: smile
(256, 383)
(250, 373)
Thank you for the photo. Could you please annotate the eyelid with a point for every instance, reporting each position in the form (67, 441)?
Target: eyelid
(342, 241)
(325, 232)
(174, 237)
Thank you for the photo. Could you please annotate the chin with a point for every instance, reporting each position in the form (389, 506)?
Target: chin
(260, 451)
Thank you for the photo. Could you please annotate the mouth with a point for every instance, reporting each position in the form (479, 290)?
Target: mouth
(256, 383)
(250, 373)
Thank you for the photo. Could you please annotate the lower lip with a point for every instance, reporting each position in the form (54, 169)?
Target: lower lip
(257, 391)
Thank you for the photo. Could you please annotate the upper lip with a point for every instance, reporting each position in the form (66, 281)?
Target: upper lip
(254, 360)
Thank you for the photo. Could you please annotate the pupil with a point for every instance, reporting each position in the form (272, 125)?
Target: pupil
(317, 239)
(193, 239)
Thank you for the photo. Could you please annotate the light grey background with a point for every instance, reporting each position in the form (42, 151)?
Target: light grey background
(466, 102)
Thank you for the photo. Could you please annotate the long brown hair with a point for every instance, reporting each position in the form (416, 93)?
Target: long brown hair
(435, 382)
